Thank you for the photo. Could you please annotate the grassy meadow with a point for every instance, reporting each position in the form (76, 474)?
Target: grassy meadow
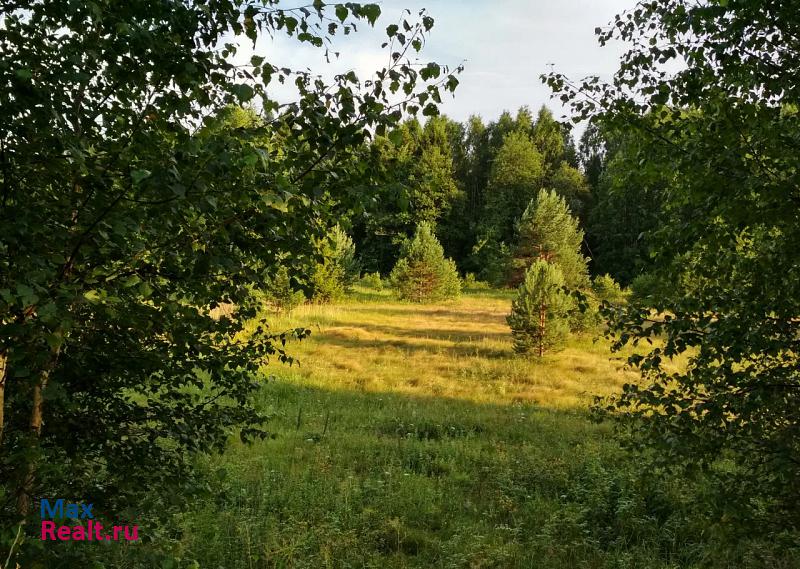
(411, 436)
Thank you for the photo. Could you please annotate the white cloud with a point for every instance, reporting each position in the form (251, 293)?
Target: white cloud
(505, 45)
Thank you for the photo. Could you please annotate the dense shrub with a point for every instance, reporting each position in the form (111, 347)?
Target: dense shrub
(604, 289)
(494, 259)
(326, 282)
(423, 273)
(645, 286)
(371, 280)
(280, 293)
(471, 281)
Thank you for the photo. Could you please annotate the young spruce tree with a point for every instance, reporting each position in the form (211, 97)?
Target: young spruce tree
(331, 278)
(539, 316)
(423, 273)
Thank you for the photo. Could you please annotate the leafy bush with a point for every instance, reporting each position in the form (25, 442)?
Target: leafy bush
(280, 293)
(372, 280)
(645, 286)
(604, 290)
(470, 281)
(539, 318)
(494, 258)
(423, 273)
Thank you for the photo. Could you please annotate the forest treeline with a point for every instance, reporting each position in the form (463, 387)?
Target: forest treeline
(472, 181)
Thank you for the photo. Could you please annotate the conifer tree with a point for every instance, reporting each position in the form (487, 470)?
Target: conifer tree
(539, 318)
(548, 231)
(281, 294)
(331, 278)
(423, 273)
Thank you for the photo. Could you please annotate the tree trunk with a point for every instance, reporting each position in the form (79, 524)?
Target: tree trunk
(36, 422)
(542, 323)
(3, 366)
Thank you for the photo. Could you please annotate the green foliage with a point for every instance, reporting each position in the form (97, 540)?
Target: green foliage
(646, 288)
(417, 162)
(548, 231)
(471, 282)
(423, 273)
(517, 174)
(431, 184)
(569, 183)
(326, 282)
(592, 154)
(344, 252)
(280, 293)
(548, 137)
(472, 181)
(372, 280)
(493, 257)
(628, 208)
(724, 255)
(606, 289)
(539, 318)
(605, 294)
(331, 278)
(133, 202)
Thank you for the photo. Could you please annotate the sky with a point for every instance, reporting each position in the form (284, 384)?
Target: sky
(504, 45)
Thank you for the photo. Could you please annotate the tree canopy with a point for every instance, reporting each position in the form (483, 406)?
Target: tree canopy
(725, 250)
(133, 202)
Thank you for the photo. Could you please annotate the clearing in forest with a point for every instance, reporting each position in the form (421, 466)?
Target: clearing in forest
(412, 436)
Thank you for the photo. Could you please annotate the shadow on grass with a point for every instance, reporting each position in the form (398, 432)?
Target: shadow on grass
(306, 408)
(460, 314)
(494, 293)
(367, 296)
(419, 347)
(444, 334)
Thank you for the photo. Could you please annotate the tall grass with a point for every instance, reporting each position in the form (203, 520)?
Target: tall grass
(411, 436)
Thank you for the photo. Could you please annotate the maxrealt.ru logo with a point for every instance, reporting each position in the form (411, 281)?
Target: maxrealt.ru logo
(91, 531)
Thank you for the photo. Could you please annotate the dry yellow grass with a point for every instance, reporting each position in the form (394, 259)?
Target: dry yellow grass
(411, 436)
(461, 350)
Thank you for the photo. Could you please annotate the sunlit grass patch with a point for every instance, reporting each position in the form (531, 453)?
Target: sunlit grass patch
(460, 349)
(412, 436)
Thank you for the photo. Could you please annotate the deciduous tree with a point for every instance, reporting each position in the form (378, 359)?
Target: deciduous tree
(127, 213)
(725, 119)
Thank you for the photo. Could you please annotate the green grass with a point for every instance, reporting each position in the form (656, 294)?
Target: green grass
(412, 436)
